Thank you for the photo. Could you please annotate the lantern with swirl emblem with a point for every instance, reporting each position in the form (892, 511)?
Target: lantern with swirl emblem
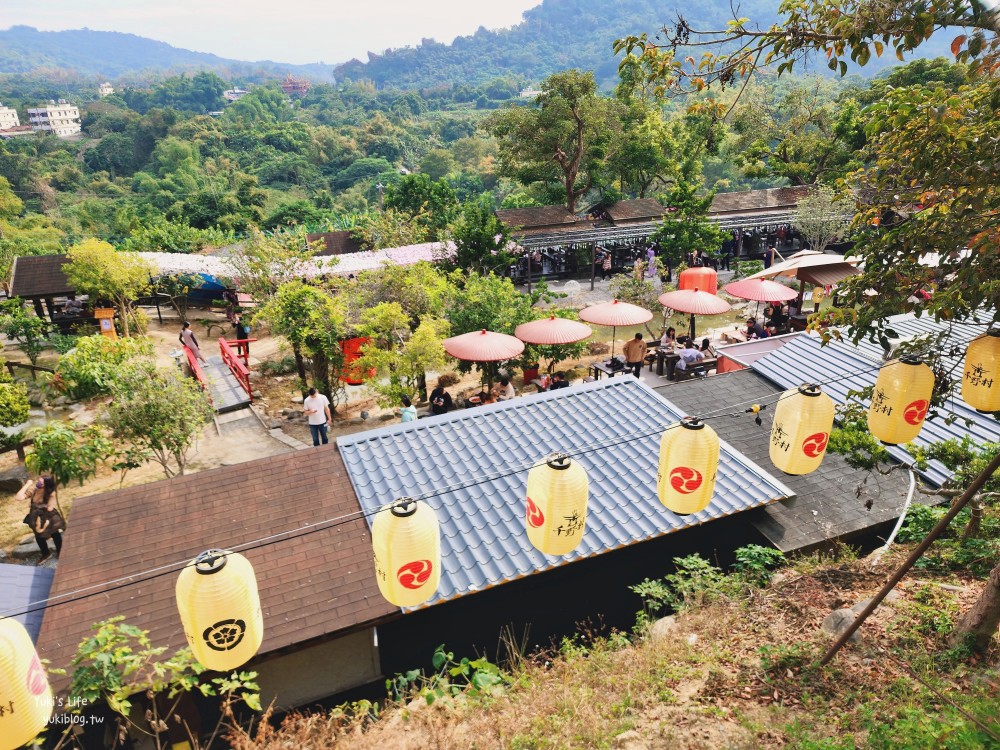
(25, 698)
(803, 418)
(407, 542)
(689, 460)
(556, 504)
(900, 400)
(220, 609)
(981, 379)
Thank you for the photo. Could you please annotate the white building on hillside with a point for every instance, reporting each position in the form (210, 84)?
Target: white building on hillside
(234, 95)
(59, 118)
(105, 89)
(8, 118)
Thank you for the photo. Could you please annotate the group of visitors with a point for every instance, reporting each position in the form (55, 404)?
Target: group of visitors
(241, 330)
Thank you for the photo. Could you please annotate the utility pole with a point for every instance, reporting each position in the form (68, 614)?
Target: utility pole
(381, 194)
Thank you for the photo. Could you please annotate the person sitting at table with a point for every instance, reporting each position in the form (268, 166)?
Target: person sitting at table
(669, 338)
(755, 330)
(504, 390)
(72, 307)
(778, 319)
(690, 356)
(706, 348)
(559, 381)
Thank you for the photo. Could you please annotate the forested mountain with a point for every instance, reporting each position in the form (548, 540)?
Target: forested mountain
(110, 54)
(555, 35)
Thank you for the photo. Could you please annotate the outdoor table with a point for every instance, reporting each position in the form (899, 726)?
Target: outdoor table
(600, 368)
(798, 322)
(665, 357)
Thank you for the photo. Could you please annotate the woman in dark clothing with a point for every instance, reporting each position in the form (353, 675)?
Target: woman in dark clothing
(440, 400)
(43, 516)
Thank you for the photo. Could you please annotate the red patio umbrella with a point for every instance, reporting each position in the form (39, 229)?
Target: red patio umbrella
(695, 302)
(761, 290)
(552, 331)
(614, 314)
(484, 346)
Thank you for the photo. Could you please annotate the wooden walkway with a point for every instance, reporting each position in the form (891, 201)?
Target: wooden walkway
(226, 391)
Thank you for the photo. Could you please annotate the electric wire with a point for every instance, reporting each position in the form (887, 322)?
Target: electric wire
(107, 587)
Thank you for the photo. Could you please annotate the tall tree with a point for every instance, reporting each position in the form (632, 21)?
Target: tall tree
(95, 268)
(482, 241)
(565, 138)
(823, 217)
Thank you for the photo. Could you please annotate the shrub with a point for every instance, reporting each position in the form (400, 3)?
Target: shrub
(448, 379)
(90, 369)
(62, 342)
(756, 564)
(280, 366)
(14, 405)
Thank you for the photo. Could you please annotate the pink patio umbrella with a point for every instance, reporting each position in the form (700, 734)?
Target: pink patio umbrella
(761, 290)
(695, 302)
(484, 346)
(614, 314)
(552, 331)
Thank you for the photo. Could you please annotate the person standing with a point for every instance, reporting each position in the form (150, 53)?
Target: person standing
(408, 413)
(44, 518)
(187, 338)
(316, 407)
(769, 257)
(650, 262)
(441, 402)
(606, 266)
(635, 353)
(242, 332)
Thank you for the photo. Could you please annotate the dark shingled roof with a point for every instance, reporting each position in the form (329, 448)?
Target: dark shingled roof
(20, 586)
(826, 505)
(536, 218)
(318, 584)
(39, 276)
(753, 201)
(642, 209)
(334, 243)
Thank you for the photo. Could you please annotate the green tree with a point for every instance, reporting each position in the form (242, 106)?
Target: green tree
(262, 263)
(429, 201)
(68, 451)
(401, 359)
(14, 406)
(158, 412)
(437, 164)
(94, 364)
(95, 268)
(10, 204)
(565, 138)
(823, 218)
(482, 242)
(25, 329)
(390, 228)
(686, 226)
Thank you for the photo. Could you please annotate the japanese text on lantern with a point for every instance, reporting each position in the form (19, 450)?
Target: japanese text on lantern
(879, 403)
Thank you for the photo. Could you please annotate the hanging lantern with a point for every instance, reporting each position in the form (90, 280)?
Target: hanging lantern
(689, 460)
(980, 388)
(556, 504)
(803, 418)
(25, 698)
(407, 543)
(220, 609)
(900, 400)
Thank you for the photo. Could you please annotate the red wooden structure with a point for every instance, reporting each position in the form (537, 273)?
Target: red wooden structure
(232, 360)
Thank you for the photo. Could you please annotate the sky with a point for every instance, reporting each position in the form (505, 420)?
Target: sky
(290, 31)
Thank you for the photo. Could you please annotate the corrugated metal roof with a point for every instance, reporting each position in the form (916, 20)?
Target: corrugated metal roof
(483, 539)
(804, 360)
(21, 585)
(941, 334)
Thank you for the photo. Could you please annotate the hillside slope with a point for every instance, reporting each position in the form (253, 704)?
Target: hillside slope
(110, 54)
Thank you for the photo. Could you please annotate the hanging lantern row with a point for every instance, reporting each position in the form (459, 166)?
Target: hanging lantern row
(900, 400)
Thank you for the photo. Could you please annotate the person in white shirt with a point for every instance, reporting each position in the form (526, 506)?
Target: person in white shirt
(504, 390)
(689, 355)
(316, 407)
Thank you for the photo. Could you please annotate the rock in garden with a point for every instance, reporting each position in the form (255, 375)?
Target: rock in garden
(13, 479)
(663, 627)
(571, 288)
(837, 623)
(297, 399)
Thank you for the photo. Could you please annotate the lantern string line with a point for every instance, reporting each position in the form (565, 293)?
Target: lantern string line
(330, 523)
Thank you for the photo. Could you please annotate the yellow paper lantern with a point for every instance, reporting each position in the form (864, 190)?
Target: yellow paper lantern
(980, 384)
(689, 461)
(25, 697)
(220, 609)
(803, 418)
(556, 504)
(406, 539)
(900, 400)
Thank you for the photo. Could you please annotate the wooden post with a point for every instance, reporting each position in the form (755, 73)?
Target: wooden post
(960, 502)
(593, 268)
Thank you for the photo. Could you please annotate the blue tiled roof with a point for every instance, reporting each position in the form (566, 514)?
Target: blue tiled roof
(805, 360)
(21, 585)
(940, 334)
(483, 537)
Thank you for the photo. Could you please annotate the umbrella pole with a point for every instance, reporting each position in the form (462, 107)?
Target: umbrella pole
(613, 329)
(693, 334)
(802, 292)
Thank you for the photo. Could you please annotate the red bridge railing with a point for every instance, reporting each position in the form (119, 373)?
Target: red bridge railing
(232, 360)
